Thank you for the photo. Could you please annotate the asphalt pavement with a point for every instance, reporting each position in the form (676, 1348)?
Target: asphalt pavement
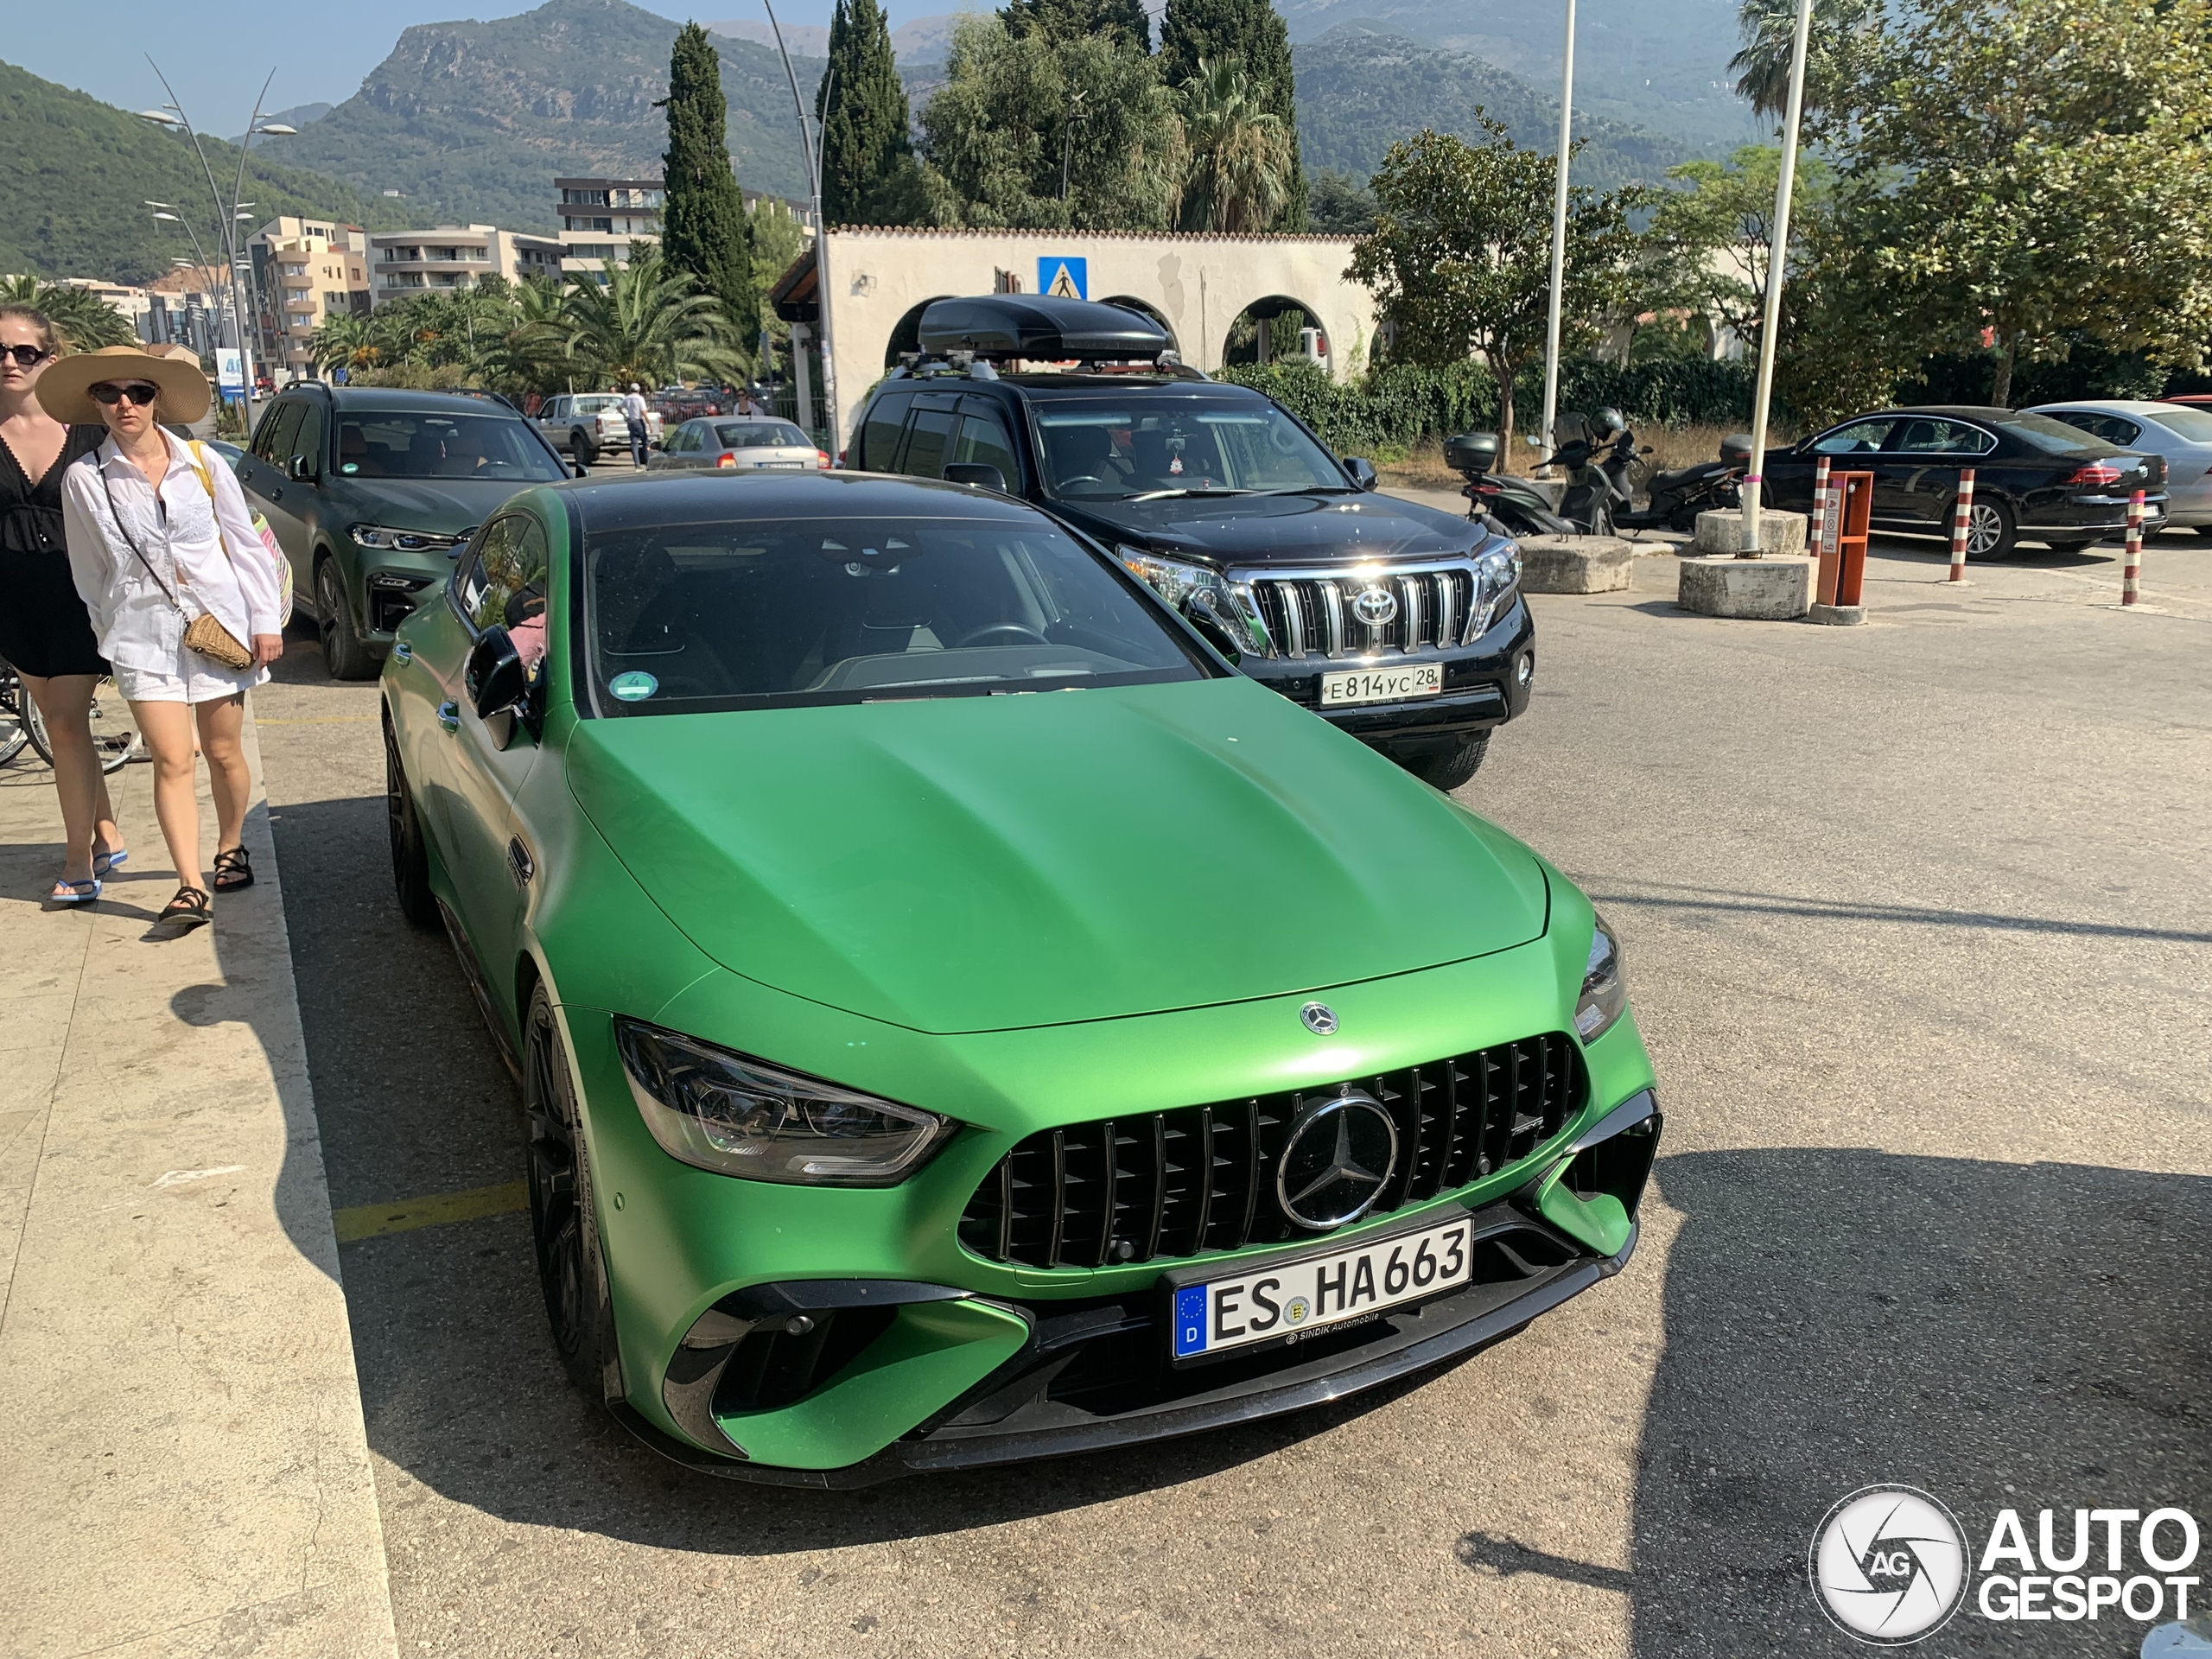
(1919, 931)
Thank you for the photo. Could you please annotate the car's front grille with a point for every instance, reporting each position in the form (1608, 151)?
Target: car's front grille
(1323, 614)
(1197, 1178)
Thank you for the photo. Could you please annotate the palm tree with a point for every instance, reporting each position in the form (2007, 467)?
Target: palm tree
(526, 357)
(1842, 33)
(1243, 155)
(345, 341)
(648, 323)
(84, 322)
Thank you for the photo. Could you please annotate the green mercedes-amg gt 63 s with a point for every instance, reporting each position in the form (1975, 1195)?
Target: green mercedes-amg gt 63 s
(960, 1018)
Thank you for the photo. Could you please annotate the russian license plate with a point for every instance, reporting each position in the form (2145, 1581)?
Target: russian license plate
(1382, 685)
(1293, 1298)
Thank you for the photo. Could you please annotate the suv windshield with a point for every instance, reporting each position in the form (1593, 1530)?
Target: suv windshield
(1096, 448)
(798, 611)
(378, 444)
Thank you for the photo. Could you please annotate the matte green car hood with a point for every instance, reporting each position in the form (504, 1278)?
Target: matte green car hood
(988, 863)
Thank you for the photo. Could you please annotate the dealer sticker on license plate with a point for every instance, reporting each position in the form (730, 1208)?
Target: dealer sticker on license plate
(1296, 1297)
(1382, 685)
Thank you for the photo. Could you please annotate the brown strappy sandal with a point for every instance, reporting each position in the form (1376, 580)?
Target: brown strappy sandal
(233, 870)
(188, 909)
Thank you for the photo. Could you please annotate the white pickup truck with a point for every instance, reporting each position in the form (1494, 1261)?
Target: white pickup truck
(581, 424)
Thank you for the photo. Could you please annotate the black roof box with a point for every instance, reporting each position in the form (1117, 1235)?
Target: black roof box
(1041, 328)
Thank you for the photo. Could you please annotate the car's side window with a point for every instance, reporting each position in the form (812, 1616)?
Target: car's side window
(886, 418)
(306, 441)
(688, 438)
(556, 411)
(513, 588)
(983, 438)
(1859, 438)
(929, 440)
(1936, 437)
(272, 438)
(2121, 432)
(468, 573)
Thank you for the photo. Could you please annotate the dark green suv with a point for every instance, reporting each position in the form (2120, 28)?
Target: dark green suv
(370, 491)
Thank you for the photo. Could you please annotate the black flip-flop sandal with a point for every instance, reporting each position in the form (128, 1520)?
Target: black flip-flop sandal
(188, 909)
(233, 870)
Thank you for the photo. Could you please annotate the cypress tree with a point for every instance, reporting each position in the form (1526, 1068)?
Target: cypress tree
(1251, 30)
(862, 104)
(704, 231)
(1061, 20)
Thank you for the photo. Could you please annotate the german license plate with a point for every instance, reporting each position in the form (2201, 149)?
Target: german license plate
(1382, 685)
(1320, 1291)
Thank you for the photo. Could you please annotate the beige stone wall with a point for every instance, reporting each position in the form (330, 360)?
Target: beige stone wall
(1198, 283)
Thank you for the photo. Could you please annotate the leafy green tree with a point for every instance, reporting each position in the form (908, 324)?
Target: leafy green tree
(1459, 259)
(868, 170)
(1709, 243)
(1244, 156)
(1338, 203)
(1031, 132)
(649, 323)
(1121, 20)
(704, 225)
(84, 322)
(1193, 32)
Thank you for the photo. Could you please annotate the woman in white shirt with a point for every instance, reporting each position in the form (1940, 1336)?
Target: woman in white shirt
(156, 542)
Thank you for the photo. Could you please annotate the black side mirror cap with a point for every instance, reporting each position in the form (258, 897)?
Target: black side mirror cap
(1362, 472)
(494, 677)
(976, 474)
(300, 467)
(577, 469)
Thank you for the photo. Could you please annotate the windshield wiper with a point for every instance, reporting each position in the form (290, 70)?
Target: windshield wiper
(1317, 489)
(1161, 495)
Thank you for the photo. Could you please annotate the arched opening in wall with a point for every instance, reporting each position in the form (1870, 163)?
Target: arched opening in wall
(907, 335)
(1146, 308)
(1271, 329)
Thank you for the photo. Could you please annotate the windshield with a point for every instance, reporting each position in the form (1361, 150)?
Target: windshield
(799, 611)
(2193, 424)
(2054, 438)
(762, 435)
(1098, 449)
(442, 446)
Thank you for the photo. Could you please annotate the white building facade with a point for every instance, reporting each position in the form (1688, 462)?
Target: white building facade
(403, 263)
(304, 271)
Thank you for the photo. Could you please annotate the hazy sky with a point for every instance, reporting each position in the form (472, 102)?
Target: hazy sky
(216, 57)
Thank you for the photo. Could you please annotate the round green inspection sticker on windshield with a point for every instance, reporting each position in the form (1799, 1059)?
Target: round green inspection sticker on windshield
(634, 686)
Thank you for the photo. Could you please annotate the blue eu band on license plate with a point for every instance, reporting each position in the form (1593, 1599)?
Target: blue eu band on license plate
(1314, 1293)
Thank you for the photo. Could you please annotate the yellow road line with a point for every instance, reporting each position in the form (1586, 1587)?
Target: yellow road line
(374, 1220)
(319, 720)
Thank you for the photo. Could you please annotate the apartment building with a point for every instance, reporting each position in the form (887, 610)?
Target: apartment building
(304, 271)
(600, 219)
(404, 263)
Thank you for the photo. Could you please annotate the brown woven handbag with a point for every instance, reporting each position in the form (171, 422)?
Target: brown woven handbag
(205, 632)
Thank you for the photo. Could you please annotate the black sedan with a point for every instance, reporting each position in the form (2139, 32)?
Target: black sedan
(2033, 476)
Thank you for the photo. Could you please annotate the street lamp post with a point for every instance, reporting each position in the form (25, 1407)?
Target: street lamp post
(1558, 235)
(813, 154)
(1777, 257)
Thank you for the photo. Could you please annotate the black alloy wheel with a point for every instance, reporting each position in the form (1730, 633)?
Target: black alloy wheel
(582, 450)
(563, 1218)
(1991, 529)
(344, 655)
(410, 858)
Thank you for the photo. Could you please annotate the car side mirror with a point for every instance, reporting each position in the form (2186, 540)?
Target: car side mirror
(976, 474)
(300, 467)
(1362, 471)
(579, 470)
(494, 677)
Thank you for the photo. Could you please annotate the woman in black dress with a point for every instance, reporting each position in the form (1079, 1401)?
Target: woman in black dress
(45, 633)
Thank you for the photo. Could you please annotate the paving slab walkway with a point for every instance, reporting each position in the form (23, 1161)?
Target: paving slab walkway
(183, 1469)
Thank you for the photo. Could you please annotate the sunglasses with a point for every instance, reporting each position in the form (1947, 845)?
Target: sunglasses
(27, 357)
(137, 392)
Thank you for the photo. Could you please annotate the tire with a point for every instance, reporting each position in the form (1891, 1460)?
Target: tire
(581, 449)
(563, 1217)
(411, 855)
(1447, 769)
(1991, 531)
(2067, 544)
(344, 656)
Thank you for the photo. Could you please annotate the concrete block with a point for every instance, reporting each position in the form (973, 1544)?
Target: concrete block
(1771, 589)
(1723, 532)
(1574, 564)
(1836, 616)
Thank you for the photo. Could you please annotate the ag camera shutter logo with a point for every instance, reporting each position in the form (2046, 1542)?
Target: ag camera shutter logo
(1889, 1565)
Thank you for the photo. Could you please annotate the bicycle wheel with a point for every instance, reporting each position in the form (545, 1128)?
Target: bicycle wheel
(13, 737)
(115, 734)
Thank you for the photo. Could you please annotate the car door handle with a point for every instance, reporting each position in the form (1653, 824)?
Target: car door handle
(518, 859)
(449, 717)
(276, 494)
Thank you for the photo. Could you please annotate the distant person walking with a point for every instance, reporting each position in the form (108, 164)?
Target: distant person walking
(168, 563)
(633, 409)
(46, 634)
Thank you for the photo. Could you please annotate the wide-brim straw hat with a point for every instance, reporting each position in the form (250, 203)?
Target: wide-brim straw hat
(63, 390)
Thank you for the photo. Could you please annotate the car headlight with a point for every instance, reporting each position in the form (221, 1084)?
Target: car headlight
(1497, 575)
(721, 1111)
(1605, 992)
(404, 541)
(1197, 591)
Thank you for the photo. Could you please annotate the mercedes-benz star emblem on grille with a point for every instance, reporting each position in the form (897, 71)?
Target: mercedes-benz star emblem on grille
(1376, 607)
(1337, 1162)
(1320, 1019)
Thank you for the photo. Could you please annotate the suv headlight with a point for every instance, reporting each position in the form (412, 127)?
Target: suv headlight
(721, 1111)
(404, 541)
(1498, 573)
(1194, 588)
(1605, 992)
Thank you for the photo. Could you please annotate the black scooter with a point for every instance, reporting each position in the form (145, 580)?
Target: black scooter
(1517, 507)
(1587, 501)
(1674, 498)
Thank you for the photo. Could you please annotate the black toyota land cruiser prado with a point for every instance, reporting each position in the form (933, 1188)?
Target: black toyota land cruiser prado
(1403, 625)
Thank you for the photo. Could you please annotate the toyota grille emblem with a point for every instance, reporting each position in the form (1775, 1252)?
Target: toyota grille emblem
(1337, 1162)
(1376, 607)
(1319, 1018)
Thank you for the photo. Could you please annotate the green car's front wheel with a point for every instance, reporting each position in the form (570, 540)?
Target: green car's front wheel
(410, 858)
(562, 1215)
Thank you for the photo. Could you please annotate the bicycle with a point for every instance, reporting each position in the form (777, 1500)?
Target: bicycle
(115, 734)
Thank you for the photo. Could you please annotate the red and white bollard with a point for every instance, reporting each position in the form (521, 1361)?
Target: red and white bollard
(1820, 524)
(1961, 516)
(2131, 574)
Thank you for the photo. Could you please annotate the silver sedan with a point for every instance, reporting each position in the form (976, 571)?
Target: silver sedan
(2181, 434)
(739, 443)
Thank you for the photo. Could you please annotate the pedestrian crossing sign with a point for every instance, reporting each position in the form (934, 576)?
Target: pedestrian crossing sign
(1064, 279)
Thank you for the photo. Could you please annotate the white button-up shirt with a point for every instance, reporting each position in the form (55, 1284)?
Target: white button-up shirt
(205, 550)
